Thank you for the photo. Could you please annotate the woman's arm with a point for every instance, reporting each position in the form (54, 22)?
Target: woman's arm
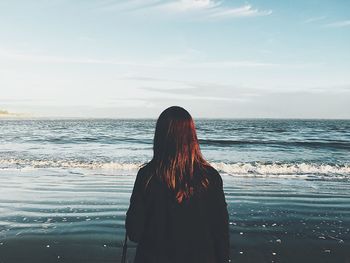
(220, 221)
(135, 215)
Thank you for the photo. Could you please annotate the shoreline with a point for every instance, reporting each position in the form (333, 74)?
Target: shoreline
(48, 215)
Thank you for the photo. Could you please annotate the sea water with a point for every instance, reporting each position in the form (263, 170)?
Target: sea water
(65, 187)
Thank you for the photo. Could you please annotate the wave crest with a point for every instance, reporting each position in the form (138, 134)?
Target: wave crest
(296, 169)
(240, 169)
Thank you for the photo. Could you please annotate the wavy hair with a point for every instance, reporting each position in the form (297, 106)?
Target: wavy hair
(177, 158)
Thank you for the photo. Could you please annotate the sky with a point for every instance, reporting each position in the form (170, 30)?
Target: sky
(133, 59)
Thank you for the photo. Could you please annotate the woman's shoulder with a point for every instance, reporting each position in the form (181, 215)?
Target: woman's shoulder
(213, 176)
(144, 170)
(143, 174)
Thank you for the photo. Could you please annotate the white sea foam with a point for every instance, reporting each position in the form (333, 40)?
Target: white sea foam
(241, 169)
(25, 163)
(282, 169)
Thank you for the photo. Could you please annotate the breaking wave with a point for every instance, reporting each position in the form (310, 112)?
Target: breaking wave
(241, 169)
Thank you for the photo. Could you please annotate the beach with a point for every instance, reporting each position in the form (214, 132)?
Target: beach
(65, 187)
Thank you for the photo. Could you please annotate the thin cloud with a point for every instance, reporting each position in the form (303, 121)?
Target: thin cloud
(244, 11)
(208, 88)
(344, 23)
(211, 9)
(165, 63)
(127, 5)
(231, 64)
(39, 58)
(127, 102)
(173, 94)
(189, 5)
(314, 19)
(200, 91)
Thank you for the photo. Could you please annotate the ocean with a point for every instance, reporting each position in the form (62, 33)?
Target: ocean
(65, 187)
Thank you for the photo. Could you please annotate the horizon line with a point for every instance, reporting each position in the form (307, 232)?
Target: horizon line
(155, 118)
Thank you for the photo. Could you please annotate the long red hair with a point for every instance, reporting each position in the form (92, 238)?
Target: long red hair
(177, 159)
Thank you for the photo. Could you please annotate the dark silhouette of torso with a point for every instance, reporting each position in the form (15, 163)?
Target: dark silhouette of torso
(195, 230)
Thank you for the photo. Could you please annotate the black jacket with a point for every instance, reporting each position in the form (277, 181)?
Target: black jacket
(196, 230)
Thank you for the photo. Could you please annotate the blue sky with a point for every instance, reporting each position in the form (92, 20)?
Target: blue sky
(224, 59)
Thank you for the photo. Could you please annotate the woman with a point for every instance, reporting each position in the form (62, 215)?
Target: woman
(178, 211)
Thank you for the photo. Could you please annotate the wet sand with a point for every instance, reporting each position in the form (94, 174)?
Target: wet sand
(77, 215)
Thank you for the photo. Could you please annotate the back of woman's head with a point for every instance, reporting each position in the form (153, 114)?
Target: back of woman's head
(177, 157)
